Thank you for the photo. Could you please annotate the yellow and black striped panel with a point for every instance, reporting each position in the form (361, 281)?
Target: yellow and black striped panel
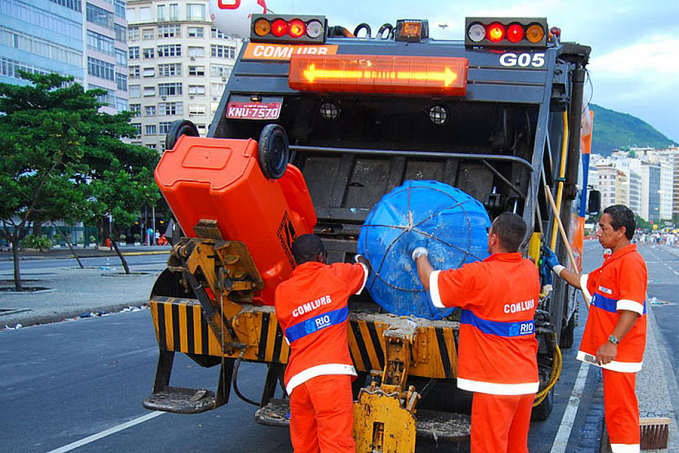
(434, 351)
(181, 327)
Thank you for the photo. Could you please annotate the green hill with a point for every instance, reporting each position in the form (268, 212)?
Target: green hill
(613, 130)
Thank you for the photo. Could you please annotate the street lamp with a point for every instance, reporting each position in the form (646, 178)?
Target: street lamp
(443, 26)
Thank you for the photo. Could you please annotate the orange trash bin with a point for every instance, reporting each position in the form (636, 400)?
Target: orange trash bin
(220, 179)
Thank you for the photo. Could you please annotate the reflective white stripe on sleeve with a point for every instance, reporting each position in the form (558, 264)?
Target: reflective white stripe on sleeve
(625, 448)
(319, 370)
(621, 367)
(626, 304)
(498, 389)
(434, 290)
(583, 287)
(366, 271)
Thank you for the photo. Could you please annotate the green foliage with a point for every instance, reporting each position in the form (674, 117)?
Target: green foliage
(642, 223)
(31, 241)
(63, 159)
(615, 130)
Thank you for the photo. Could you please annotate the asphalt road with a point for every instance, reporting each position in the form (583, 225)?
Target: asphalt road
(63, 383)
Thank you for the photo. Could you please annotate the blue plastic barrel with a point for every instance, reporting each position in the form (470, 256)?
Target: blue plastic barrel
(452, 225)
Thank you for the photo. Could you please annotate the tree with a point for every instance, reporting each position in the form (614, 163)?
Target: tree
(58, 150)
(41, 128)
(642, 223)
(120, 194)
(119, 176)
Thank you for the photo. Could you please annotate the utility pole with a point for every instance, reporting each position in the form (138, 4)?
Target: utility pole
(443, 29)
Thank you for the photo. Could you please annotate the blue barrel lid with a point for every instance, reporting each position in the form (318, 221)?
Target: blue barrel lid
(451, 224)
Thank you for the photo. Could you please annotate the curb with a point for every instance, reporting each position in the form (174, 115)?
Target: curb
(55, 317)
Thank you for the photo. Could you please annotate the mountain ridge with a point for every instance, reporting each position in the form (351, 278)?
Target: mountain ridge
(615, 130)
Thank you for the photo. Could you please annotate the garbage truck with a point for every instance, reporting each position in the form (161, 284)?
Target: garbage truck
(316, 124)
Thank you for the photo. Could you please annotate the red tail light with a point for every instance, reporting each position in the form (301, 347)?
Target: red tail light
(506, 32)
(288, 29)
(279, 28)
(515, 33)
(297, 28)
(496, 32)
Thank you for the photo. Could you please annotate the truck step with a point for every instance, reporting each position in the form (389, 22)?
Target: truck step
(181, 400)
(446, 426)
(430, 424)
(275, 413)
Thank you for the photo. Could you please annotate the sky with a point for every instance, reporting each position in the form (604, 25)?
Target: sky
(634, 64)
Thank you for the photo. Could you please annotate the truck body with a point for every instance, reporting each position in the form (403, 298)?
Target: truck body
(362, 115)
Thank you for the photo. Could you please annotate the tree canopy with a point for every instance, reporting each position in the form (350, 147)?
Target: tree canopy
(63, 159)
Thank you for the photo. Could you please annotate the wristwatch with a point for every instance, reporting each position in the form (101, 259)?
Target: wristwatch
(613, 339)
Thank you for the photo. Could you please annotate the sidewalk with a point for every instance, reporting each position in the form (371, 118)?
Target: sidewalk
(72, 292)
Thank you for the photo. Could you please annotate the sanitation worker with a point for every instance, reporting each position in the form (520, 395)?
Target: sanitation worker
(312, 311)
(497, 347)
(615, 333)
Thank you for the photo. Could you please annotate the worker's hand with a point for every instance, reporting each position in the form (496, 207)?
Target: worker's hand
(549, 258)
(606, 353)
(419, 252)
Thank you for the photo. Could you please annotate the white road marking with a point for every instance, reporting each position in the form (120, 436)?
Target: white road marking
(561, 439)
(108, 432)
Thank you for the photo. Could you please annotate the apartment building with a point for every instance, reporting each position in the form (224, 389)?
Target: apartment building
(83, 39)
(41, 37)
(612, 183)
(105, 35)
(178, 66)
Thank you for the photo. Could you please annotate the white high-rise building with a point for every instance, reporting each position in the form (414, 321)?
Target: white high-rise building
(82, 39)
(665, 191)
(178, 66)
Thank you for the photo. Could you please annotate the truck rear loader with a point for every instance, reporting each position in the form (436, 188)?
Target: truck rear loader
(315, 126)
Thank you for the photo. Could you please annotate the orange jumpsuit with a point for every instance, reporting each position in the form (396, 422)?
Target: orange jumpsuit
(312, 311)
(497, 347)
(619, 284)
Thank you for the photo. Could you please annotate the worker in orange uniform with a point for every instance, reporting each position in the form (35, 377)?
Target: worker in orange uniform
(497, 345)
(615, 333)
(312, 311)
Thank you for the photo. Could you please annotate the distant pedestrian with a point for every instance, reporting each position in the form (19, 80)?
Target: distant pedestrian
(149, 236)
(615, 333)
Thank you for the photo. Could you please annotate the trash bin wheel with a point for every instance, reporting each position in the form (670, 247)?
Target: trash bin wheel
(274, 151)
(177, 129)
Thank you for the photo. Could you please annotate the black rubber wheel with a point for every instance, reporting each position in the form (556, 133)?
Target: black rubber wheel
(542, 411)
(273, 151)
(177, 129)
(362, 26)
(567, 334)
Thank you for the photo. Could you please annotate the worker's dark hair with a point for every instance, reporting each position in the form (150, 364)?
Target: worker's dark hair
(510, 229)
(307, 247)
(622, 216)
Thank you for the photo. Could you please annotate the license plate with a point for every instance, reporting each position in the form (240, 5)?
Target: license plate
(253, 110)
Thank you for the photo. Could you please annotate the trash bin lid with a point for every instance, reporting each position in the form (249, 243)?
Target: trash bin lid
(451, 224)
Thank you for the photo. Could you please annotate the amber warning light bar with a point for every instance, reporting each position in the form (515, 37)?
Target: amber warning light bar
(379, 74)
